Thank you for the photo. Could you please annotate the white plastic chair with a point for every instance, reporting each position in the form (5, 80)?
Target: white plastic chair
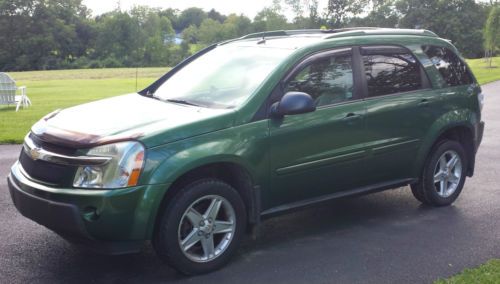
(8, 91)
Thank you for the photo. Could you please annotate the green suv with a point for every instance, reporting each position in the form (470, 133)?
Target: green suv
(250, 128)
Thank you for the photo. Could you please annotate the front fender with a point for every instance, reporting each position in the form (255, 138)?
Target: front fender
(244, 145)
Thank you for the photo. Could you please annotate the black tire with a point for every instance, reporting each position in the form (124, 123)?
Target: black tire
(166, 239)
(425, 190)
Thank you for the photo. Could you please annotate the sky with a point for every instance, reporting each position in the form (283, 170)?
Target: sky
(247, 7)
(250, 8)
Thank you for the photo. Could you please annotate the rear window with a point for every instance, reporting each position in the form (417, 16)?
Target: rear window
(389, 72)
(452, 68)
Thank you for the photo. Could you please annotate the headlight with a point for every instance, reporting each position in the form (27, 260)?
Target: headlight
(122, 170)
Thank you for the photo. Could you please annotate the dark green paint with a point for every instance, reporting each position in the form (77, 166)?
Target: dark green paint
(291, 158)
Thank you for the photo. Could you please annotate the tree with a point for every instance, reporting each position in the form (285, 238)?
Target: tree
(305, 12)
(461, 21)
(42, 34)
(191, 16)
(214, 15)
(173, 16)
(269, 19)
(139, 37)
(210, 31)
(384, 14)
(492, 34)
(297, 7)
(338, 11)
(242, 23)
(191, 34)
(54, 34)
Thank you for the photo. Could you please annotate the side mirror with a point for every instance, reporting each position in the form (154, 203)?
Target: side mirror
(293, 103)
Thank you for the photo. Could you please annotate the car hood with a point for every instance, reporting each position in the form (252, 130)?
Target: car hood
(126, 117)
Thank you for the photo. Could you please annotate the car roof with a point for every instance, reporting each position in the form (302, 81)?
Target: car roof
(295, 39)
(288, 42)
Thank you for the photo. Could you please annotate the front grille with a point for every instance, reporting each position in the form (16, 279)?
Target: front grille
(54, 174)
(52, 147)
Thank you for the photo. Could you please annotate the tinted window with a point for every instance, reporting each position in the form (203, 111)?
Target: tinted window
(452, 69)
(328, 80)
(391, 73)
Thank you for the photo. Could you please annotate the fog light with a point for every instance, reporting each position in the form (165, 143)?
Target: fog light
(90, 213)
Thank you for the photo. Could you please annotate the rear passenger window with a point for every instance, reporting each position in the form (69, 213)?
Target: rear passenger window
(391, 72)
(452, 69)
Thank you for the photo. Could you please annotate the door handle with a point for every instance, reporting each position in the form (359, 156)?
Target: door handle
(424, 103)
(351, 116)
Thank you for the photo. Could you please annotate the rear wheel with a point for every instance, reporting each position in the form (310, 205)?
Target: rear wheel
(443, 176)
(201, 227)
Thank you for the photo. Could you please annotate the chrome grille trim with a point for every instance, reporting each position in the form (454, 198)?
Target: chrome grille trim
(38, 153)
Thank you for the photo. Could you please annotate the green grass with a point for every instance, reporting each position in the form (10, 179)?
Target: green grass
(50, 90)
(486, 273)
(483, 73)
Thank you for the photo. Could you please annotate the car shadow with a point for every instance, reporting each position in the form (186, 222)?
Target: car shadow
(335, 218)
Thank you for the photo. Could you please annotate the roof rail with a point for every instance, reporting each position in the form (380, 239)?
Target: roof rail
(264, 34)
(381, 31)
(336, 33)
(301, 32)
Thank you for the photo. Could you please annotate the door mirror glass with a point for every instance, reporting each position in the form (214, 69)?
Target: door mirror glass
(293, 103)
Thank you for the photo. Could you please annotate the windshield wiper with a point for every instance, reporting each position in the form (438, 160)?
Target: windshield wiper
(184, 102)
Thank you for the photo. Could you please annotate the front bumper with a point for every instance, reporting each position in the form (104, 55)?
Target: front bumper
(108, 221)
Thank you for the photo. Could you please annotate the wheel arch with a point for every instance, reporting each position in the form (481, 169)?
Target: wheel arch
(234, 173)
(462, 132)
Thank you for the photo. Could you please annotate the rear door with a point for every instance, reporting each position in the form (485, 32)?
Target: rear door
(399, 104)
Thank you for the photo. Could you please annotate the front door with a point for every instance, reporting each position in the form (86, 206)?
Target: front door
(320, 152)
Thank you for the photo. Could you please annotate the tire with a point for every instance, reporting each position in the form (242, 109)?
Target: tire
(178, 228)
(443, 176)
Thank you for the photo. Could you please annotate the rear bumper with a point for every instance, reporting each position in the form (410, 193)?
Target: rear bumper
(479, 135)
(106, 221)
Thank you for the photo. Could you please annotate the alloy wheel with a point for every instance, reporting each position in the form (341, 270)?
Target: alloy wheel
(447, 173)
(207, 228)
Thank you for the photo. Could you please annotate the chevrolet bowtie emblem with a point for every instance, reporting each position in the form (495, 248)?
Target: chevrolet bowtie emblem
(35, 153)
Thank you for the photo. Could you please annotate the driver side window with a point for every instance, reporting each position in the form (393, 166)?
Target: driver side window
(328, 80)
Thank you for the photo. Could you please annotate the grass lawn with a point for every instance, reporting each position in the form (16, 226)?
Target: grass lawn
(486, 273)
(482, 72)
(50, 90)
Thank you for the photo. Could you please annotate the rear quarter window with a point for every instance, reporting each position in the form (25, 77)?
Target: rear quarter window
(450, 66)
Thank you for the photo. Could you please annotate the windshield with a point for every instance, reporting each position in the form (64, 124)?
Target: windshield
(223, 77)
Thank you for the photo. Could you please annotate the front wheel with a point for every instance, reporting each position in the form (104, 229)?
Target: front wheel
(443, 176)
(201, 227)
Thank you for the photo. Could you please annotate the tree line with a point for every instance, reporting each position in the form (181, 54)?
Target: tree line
(63, 34)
